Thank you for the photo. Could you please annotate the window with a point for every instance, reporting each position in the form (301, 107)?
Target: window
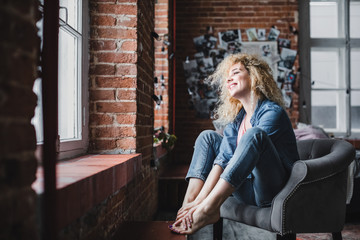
(330, 60)
(72, 80)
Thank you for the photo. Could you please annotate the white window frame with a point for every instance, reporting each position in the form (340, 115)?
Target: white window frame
(306, 43)
(68, 148)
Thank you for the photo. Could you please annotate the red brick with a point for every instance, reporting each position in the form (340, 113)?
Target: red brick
(102, 69)
(116, 33)
(13, 97)
(117, 9)
(126, 21)
(126, 143)
(126, 119)
(116, 107)
(96, 95)
(104, 144)
(129, 46)
(126, 94)
(117, 57)
(100, 119)
(128, 69)
(115, 132)
(103, 21)
(98, 45)
(115, 82)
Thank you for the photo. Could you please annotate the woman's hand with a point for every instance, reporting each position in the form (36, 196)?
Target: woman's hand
(184, 209)
(184, 216)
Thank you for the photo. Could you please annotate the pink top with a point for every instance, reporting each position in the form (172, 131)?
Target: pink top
(242, 130)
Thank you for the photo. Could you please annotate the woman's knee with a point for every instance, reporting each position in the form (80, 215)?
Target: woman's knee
(255, 133)
(207, 136)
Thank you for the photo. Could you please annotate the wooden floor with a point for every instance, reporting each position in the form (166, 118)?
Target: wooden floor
(155, 230)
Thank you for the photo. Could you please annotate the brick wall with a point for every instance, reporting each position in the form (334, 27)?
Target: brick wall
(19, 50)
(121, 77)
(133, 202)
(121, 110)
(162, 63)
(192, 18)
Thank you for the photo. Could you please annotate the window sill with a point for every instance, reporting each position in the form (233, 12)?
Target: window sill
(159, 151)
(86, 181)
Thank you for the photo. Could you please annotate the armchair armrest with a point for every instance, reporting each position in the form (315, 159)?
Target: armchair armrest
(315, 188)
(341, 155)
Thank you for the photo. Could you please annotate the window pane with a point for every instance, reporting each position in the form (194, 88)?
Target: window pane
(355, 70)
(72, 9)
(327, 68)
(328, 110)
(325, 21)
(68, 86)
(37, 120)
(355, 110)
(354, 19)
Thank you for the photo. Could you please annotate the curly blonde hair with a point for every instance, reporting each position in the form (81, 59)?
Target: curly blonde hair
(263, 85)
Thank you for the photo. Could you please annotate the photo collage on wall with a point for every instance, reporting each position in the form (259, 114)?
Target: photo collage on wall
(212, 50)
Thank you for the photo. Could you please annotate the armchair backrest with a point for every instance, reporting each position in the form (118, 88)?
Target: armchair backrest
(314, 199)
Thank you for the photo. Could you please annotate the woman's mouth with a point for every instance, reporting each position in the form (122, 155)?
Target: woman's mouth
(230, 86)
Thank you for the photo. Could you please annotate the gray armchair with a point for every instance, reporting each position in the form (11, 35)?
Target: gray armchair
(312, 201)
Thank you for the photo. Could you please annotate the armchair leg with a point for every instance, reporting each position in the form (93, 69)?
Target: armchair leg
(218, 230)
(290, 236)
(337, 236)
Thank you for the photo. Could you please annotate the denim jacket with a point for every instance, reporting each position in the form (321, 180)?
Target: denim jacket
(271, 118)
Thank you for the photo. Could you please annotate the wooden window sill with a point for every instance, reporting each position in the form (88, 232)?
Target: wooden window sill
(86, 181)
(159, 151)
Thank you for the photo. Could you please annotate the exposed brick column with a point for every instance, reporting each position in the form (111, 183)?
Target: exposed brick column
(19, 45)
(121, 81)
(162, 63)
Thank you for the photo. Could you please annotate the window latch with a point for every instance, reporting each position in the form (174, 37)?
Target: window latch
(62, 22)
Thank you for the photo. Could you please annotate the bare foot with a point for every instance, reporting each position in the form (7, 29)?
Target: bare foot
(202, 216)
(185, 208)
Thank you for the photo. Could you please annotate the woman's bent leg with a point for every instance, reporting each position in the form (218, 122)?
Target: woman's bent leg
(206, 149)
(256, 163)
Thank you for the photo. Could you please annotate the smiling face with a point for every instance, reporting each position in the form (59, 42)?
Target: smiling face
(238, 83)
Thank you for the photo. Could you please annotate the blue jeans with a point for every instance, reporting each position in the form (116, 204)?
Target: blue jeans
(255, 170)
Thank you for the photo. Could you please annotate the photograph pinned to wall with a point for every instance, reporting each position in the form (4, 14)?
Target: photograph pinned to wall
(282, 75)
(267, 50)
(289, 82)
(202, 97)
(261, 34)
(287, 99)
(198, 56)
(205, 66)
(287, 58)
(251, 34)
(283, 42)
(229, 39)
(190, 68)
(217, 55)
(234, 47)
(205, 43)
(273, 34)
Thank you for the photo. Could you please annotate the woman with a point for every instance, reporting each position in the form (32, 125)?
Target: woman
(253, 158)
